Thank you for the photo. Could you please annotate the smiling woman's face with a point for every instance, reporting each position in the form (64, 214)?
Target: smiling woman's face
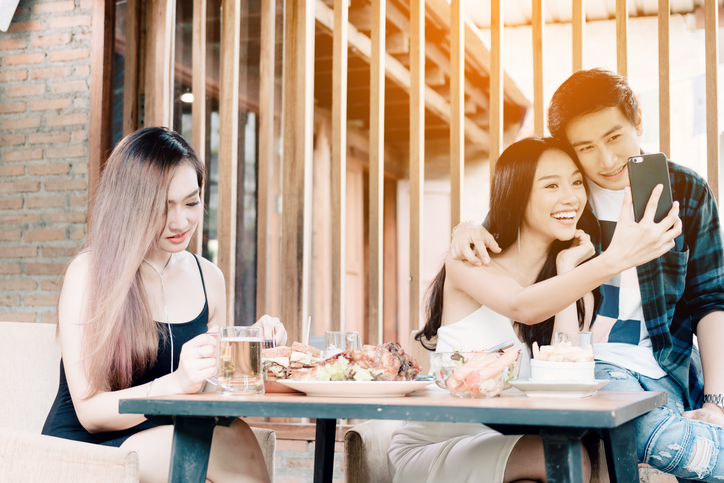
(558, 197)
(184, 210)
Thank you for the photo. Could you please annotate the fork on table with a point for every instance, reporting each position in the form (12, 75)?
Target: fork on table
(268, 343)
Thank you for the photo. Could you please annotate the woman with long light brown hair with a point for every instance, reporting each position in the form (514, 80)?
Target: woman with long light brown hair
(135, 309)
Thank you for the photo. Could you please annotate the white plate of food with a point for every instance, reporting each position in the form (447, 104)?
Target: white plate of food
(559, 389)
(356, 388)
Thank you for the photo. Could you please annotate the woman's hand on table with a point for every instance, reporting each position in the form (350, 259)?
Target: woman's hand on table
(272, 328)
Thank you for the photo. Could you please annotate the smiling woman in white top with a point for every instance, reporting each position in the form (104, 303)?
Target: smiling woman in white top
(536, 285)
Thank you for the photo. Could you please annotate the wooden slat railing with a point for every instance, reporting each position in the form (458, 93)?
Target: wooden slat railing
(229, 148)
(377, 174)
(158, 80)
(339, 160)
(297, 162)
(457, 110)
(664, 80)
(622, 37)
(711, 41)
(496, 82)
(198, 108)
(538, 21)
(266, 158)
(416, 154)
(130, 67)
(578, 23)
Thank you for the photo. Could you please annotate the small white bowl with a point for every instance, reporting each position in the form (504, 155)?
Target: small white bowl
(562, 371)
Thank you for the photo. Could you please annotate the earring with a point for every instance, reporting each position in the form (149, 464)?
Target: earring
(519, 240)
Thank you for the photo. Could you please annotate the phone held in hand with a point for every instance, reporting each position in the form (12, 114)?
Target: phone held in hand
(645, 171)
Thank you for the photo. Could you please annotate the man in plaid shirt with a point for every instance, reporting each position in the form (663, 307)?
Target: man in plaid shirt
(644, 327)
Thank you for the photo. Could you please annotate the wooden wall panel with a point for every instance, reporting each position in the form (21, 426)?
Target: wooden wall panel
(228, 148)
(339, 160)
(496, 82)
(377, 174)
(101, 97)
(457, 109)
(711, 40)
(578, 21)
(198, 108)
(417, 154)
(622, 37)
(538, 21)
(266, 158)
(130, 66)
(664, 79)
(298, 123)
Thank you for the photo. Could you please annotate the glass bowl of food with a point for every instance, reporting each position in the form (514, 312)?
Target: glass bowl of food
(475, 382)
(510, 359)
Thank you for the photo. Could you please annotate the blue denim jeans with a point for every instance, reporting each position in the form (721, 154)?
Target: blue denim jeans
(666, 440)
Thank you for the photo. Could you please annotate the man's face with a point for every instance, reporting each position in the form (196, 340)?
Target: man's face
(604, 140)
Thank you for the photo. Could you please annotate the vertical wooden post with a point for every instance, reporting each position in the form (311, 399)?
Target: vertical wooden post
(229, 147)
(538, 20)
(664, 79)
(457, 110)
(578, 21)
(622, 37)
(417, 154)
(99, 139)
(198, 108)
(496, 82)
(298, 123)
(159, 39)
(266, 159)
(130, 67)
(711, 41)
(377, 173)
(339, 160)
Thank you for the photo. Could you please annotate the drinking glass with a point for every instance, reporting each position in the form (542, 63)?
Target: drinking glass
(239, 368)
(579, 339)
(339, 341)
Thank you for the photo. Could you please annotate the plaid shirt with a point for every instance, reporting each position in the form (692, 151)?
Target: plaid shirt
(683, 285)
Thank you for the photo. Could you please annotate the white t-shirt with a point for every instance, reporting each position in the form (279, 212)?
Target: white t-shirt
(619, 331)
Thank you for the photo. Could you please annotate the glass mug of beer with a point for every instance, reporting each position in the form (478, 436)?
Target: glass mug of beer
(238, 370)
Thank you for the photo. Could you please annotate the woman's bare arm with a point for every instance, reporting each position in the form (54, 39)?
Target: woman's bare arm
(633, 244)
(100, 412)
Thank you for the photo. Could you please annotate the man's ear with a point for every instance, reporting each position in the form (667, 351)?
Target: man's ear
(639, 122)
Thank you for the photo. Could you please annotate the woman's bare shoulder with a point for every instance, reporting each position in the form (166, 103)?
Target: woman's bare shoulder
(79, 267)
(212, 274)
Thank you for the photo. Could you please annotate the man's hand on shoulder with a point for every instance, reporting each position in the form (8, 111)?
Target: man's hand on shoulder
(471, 242)
(709, 413)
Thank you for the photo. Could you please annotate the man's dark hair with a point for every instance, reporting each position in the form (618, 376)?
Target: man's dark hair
(589, 91)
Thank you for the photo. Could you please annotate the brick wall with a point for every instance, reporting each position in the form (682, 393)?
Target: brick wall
(44, 119)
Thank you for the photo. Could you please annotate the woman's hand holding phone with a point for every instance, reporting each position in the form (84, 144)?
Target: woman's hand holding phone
(634, 243)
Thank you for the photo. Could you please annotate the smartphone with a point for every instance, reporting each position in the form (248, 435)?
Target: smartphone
(645, 171)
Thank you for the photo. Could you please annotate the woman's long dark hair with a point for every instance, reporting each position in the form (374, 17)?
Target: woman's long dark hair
(509, 194)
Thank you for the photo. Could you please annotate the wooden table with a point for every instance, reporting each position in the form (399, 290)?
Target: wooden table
(560, 422)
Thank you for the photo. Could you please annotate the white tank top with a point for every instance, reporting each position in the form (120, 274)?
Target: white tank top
(478, 331)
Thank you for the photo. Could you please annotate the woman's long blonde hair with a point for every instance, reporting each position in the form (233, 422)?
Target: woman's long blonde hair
(129, 210)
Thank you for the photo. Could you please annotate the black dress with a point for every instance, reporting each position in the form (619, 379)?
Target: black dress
(62, 421)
